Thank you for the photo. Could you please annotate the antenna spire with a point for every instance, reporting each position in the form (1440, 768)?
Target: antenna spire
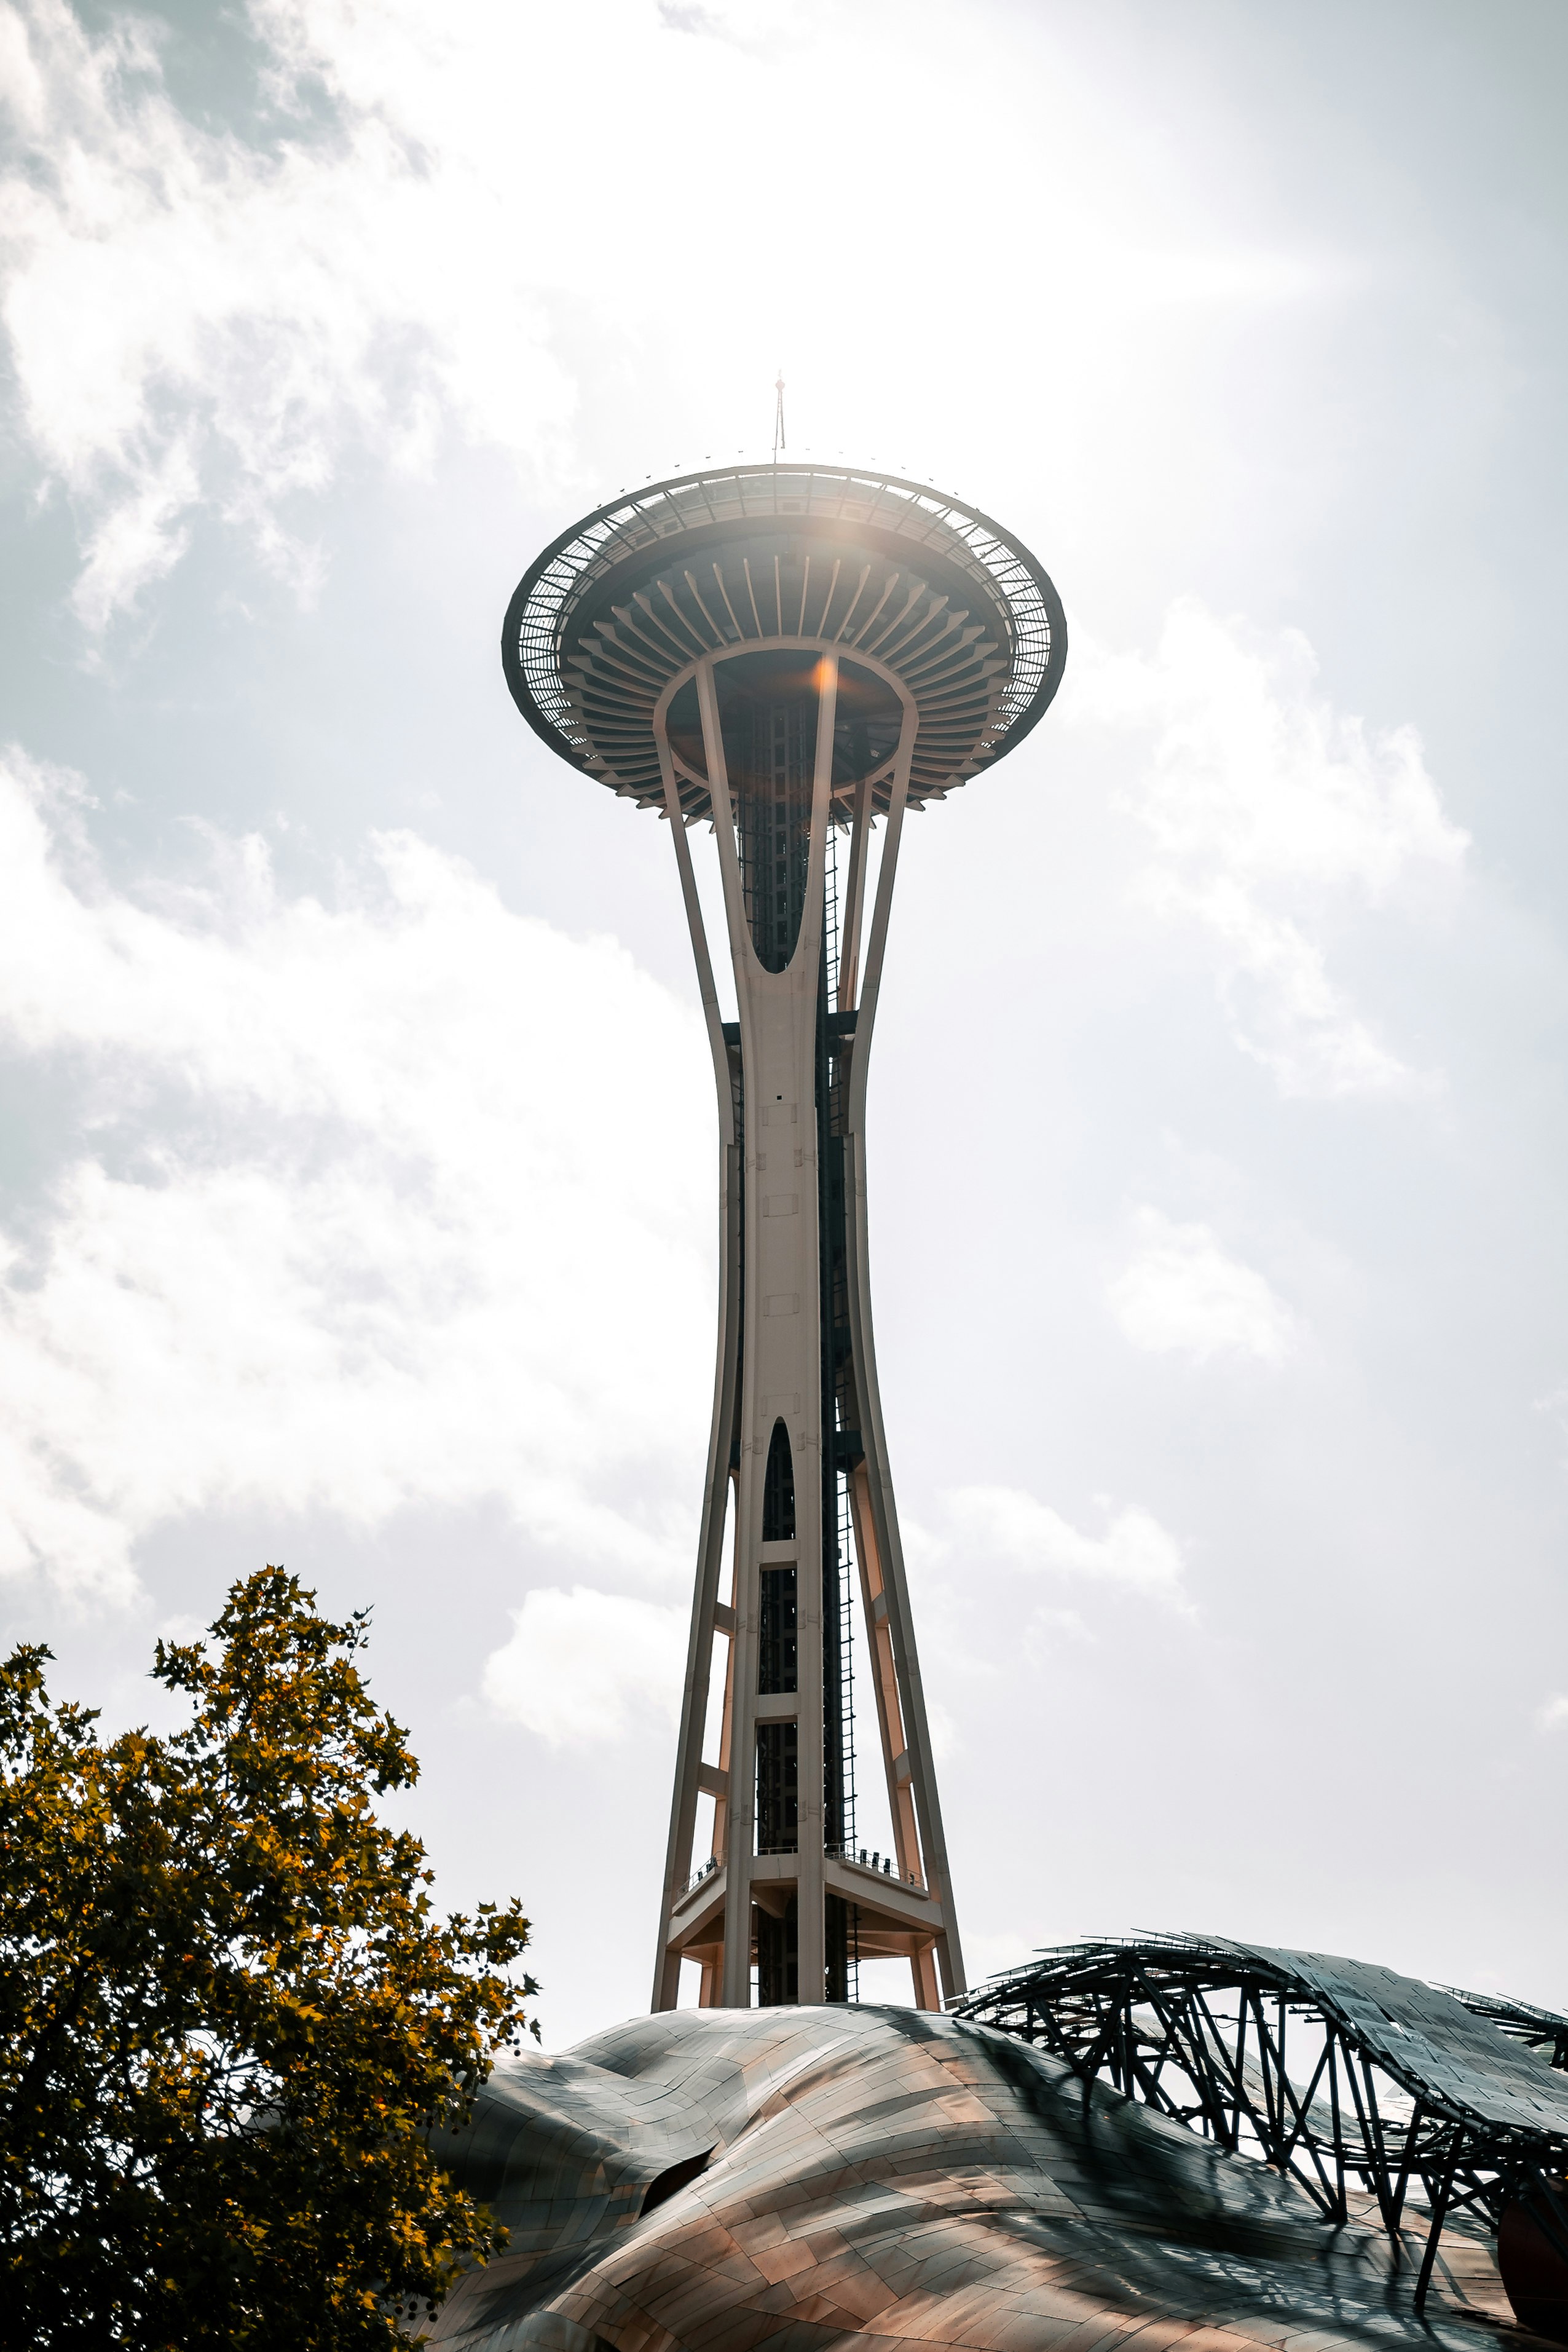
(779, 415)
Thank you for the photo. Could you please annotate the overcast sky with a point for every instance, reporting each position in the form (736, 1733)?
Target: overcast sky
(358, 1151)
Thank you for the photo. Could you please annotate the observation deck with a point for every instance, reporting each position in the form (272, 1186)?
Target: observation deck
(804, 558)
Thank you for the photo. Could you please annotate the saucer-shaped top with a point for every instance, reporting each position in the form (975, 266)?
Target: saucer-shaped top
(814, 557)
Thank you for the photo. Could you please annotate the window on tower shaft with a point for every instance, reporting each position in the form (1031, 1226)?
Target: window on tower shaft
(778, 1744)
(778, 1488)
(769, 706)
(777, 1648)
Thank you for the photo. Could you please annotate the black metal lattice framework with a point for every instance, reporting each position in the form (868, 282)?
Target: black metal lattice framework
(1348, 2078)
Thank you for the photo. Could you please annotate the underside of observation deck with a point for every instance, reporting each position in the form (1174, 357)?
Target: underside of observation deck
(784, 555)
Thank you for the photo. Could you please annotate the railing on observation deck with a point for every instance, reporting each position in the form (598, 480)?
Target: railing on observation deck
(878, 1866)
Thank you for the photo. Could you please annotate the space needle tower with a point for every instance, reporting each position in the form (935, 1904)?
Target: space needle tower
(795, 657)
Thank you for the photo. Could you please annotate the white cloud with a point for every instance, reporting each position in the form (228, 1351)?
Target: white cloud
(197, 321)
(991, 1524)
(581, 1665)
(1555, 1403)
(205, 323)
(1181, 1294)
(947, 1739)
(391, 1247)
(1271, 815)
(140, 537)
(1554, 1715)
(1048, 1631)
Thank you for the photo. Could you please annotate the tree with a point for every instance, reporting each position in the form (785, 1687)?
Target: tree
(234, 2034)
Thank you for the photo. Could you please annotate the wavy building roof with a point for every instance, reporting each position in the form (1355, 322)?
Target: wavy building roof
(712, 2181)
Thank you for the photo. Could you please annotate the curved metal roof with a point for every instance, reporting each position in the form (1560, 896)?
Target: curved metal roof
(1333, 2072)
(801, 2176)
(1458, 2064)
(1543, 2029)
(863, 562)
(1429, 2041)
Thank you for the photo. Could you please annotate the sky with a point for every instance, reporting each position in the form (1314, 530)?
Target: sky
(357, 1171)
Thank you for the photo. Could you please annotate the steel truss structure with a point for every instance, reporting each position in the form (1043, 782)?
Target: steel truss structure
(1350, 2079)
(794, 656)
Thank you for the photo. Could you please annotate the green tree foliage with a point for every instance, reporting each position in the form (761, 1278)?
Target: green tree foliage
(234, 2034)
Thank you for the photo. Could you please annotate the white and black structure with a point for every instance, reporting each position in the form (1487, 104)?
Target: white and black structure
(798, 654)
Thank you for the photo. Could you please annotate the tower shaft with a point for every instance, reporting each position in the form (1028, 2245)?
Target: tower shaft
(798, 1509)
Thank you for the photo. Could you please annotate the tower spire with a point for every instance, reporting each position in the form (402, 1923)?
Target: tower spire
(778, 416)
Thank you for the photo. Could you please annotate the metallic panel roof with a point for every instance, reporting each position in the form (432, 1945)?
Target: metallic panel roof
(714, 2180)
(1455, 2061)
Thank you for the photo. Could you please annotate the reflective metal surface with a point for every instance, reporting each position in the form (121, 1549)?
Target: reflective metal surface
(1346, 2075)
(714, 2180)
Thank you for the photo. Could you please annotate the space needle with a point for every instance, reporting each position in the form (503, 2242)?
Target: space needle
(795, 657)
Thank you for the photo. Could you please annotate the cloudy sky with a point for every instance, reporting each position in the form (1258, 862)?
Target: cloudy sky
(359, 1146)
